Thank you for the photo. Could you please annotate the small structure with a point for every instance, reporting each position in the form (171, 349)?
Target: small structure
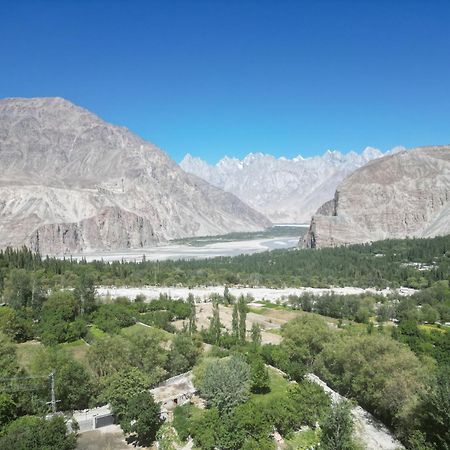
(175, 391)
(91, 419)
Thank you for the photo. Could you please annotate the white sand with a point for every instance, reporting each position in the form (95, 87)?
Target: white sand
(180, 251)
(272, 295)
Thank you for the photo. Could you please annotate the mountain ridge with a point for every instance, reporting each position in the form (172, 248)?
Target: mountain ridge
(402, 195)
(72, 182)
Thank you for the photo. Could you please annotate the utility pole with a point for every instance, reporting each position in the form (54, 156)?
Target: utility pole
(53, 400)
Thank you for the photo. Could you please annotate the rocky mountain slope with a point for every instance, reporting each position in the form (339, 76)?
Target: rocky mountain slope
(405, 194)
(285, 190)
(71, 182)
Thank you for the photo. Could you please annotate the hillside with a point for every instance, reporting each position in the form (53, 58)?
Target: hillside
(402, 195)
(72, 182)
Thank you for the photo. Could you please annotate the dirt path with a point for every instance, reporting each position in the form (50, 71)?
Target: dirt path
(371, 432)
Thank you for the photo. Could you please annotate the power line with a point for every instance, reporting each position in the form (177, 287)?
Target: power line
(24, 388)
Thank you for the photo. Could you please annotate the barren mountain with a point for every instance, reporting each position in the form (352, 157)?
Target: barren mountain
(71, 182)
(285, 190)
(403, 195)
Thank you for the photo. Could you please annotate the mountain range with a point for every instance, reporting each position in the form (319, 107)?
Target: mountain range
(284, 190)
(71, 182)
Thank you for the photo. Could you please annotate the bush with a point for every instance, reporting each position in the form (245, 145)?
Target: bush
(181, 420)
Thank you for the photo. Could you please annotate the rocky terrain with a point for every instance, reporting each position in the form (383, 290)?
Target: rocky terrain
(71, 182)
(402, 195)
(285, 190)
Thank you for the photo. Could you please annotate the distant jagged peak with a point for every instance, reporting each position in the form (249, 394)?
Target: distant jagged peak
(330, 156)
(372, 153)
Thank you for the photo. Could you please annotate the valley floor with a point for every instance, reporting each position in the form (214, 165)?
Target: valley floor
(186, 251)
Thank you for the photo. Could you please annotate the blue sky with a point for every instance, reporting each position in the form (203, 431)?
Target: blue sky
(232, 77)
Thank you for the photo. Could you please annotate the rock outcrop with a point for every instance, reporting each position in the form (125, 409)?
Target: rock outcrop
(402, 195)
(71, 182)
(284, 190)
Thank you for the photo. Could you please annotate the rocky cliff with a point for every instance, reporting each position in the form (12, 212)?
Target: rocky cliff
(402, 195)
(71, 182)
(285, 190)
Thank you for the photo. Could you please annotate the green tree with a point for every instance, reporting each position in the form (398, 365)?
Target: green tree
(18, 290)
(382, 374)
(192, 315)
(109, 355)
(226, 382)
(242, 307)
(7, 409)
(429, 314)
(184, 351)
(337, 428)
(35, 433)
(235, 322)
(310, 403)
(206, 429)
(16, 324)
(260, 381)
(148, 354)
(303, 340)
(215, 325)
(256, 334)
(227, 297)
(111, 318)
(435, 410)
(141, 419)
(121, 386)
(58, 312)
(84, 293)
(73, 384)
(9, 366)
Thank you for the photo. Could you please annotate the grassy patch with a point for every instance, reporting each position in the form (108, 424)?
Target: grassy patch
(77, 349)
(139, 329)
(26, 352)
(278, 385)
(429, 328)
(95, 333)
(277, 306)
(303, 440)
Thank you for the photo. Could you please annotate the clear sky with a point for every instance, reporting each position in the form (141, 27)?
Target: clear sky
(232, 77)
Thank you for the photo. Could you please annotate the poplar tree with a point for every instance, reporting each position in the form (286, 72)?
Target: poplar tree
(192, 314)
(242, 307)
(214, 326)
(235, 322)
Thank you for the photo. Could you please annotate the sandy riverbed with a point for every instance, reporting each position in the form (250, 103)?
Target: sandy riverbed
(183, 251)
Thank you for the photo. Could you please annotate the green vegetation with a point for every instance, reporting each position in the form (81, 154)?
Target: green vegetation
(381, 264)
(268, 233)
(394, 362)
(35, 433)
(303, 440)
(225, 383)
(337, 429)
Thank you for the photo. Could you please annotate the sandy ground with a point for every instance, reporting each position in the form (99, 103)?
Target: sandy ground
(272, 295)
(183, 251)
(105, 438)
